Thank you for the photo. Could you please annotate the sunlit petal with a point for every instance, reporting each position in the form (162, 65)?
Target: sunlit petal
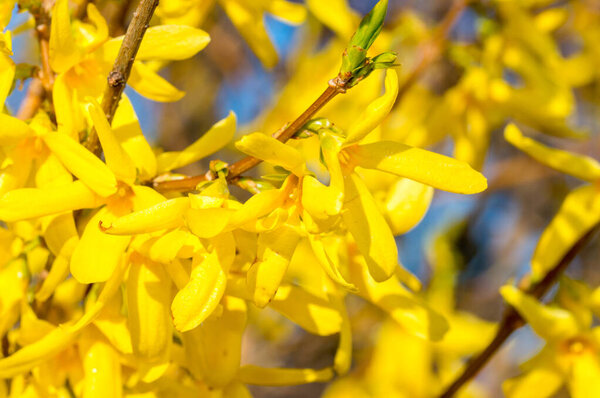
(25, 203)
(369, 229)
(198, 299)
(552, 324)
(271, 150)
(376, 111)
(418, 164)
(82, 163)
(579, 166)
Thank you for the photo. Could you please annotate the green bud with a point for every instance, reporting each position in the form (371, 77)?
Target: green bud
(355, 54)
(382, 61)
(314, 125)
(370, 26)
(385, 58)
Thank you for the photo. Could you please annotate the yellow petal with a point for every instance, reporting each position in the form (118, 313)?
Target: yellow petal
(260, 376)
(97, 254)
(164, 215)
(337, 15)
(579, 212)
(269, 149)
(249, 22)
(376, 111)
(207, 223)
(64, 52)
(418, 164)
(21, 204)
(61, 337)
(151, 85)
(287, 11)
(539, 382)
(116, 159)
(163, 42)
(258, 206)
(369, 229)
(51, 172)
(578, 166)
(127, 129)
(66, 107)
(219, 135)
(552, 324)
(314, 314)
(13, 129)
(326, 261)
(13, 281)
(113, 325)
(412, 313)
(101, 367)
(58, 273)
(220, 341)
(6, 8)
(585, 376)
(236, 390)
(275, 250)
(343, 355)
(173, 244)
(320, 201)
(82, 163)
(406, 204)
(148, 297)
(7, 66)
(97, 19)
(60, 231)
(330, 147)
(198, 299)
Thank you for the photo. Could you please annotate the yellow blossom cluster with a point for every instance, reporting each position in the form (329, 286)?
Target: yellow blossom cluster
(113, 286)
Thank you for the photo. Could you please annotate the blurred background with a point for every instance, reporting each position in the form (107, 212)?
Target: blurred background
(494, 233)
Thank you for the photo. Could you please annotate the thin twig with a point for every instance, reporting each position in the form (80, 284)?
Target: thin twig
(41, 84)
(431, 52)
(42, 28)
(432, 49)
(117, 78)
(511, 319)
(33, 99)
(241, 166)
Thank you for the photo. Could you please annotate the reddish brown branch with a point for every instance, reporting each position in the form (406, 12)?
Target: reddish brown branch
(511, 320)
(241, 166)
(41, 85)
(33, 99)
(117, 78)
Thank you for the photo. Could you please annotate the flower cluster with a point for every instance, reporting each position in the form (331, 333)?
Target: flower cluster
(115, 285)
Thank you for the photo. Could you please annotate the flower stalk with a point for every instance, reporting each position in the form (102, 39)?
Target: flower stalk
(117, 78)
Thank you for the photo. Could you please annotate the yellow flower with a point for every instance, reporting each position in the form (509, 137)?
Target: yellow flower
(82, 55)
(570, 354)
(580, 210)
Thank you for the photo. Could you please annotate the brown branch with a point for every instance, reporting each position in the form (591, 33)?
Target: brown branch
(33, 99)
(238, 168)
(41, 85)
(511, 319)
(117, 78)
(430, 53)
(432, 49)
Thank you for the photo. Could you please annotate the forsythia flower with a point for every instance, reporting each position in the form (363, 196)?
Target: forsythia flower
(82, 55)
(569, 356)
(580, 210)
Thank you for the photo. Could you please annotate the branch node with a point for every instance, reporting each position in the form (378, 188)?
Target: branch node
(115, 78)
